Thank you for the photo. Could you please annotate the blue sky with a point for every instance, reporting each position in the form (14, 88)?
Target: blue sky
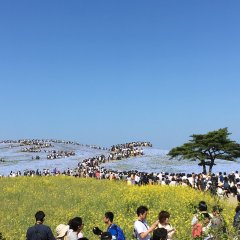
(108, 72)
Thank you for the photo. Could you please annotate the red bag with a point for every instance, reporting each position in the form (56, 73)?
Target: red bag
(197, 230)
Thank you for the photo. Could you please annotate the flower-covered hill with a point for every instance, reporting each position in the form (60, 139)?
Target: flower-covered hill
(63, 198)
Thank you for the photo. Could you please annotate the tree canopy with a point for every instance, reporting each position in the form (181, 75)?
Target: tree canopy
(206, 148)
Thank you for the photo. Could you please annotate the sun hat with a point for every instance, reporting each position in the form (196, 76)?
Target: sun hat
(61, 230)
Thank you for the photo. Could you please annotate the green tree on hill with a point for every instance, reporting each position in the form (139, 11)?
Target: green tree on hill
(206, 148)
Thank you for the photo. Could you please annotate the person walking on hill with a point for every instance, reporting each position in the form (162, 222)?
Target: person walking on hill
(39, 231)
(141, 228)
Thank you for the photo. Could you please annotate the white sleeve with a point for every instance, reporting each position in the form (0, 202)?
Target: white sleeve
(139, 227)
(194, 220)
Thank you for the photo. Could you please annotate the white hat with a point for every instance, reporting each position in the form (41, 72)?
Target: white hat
(61, 230)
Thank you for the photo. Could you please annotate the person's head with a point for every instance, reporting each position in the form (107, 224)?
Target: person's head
(206, 218)
(39, 216)
(142, 212)
(163, 217)
(159, 234)
(108, 218)
(216, 210)
(106, 236)
(202, 206)
(76, 224)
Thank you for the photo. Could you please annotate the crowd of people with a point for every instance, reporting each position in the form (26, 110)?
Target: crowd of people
(121, 153)
(60, 154)
(46, 143)
(205, 224)
(221, 184)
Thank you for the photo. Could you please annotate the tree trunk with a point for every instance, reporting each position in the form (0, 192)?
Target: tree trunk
(210, 168)
(204, 168)
(211, 165)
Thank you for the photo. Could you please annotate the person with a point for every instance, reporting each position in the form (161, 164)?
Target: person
(114, 229)
(39, 230)
(206, 227)
(202, 208)
(236, 220)
(75, 227)
(163, 218)
(160, 234)
(218, 224)
(62, 231)
(202, 228)
(141, 228)
(196, 223)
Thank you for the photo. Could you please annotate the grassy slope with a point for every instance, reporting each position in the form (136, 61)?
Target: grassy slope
(62, 198)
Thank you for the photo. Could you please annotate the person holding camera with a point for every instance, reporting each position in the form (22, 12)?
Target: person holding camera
(141, 228)
(114, 230)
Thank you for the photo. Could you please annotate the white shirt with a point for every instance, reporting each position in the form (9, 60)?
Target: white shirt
(170, 230)
(141, 227)
(72, 235)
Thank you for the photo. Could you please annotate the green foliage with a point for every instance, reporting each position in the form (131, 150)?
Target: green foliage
(207, 147)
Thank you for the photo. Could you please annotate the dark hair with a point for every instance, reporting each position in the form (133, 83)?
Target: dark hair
(106, 236)
(217, 209)
(110, 216)
(75, 223)
(163, 215)
(141, 210)
(159, 234)
(237, 208)
(206, 215)
(202, 206)
(40, 215)
(83, 238)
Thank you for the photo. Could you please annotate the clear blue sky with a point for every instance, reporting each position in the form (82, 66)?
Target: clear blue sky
(107, 72)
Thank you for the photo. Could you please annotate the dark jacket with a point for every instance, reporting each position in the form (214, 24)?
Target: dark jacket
(39, 232)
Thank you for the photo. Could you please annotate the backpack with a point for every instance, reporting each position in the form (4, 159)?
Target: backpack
(197, 230)
(119, 231)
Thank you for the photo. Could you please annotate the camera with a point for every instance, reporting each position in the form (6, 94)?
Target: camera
(97, 231)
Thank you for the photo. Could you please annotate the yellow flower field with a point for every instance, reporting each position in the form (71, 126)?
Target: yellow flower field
(62, 198)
